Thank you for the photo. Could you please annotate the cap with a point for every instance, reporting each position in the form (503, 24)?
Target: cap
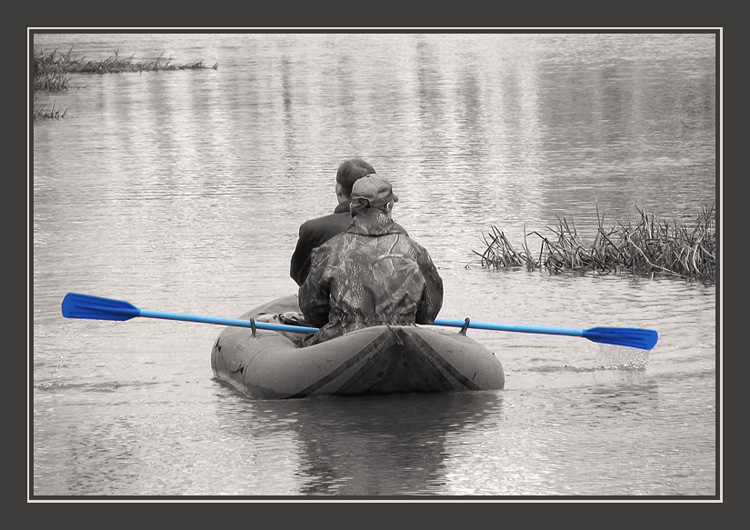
(375, 189)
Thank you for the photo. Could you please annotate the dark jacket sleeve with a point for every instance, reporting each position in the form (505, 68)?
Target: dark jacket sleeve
(300, 262)
(432, 295)
(314, 292)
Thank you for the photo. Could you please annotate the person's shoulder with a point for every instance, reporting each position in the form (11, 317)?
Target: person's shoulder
(400, 229)
(419, 249)
(314, 225)
(334, 241)
(324, 220)
(326, 225)
(332, 247)
(316, 220)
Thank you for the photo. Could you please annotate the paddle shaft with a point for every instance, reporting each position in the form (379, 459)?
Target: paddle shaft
(493, 326)
(300, 329)
(164, 315)
(224, 321)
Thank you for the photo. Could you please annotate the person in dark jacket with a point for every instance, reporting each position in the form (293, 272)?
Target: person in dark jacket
(371, 274)
(315, 232)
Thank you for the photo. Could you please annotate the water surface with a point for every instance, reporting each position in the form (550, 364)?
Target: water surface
(183, 191)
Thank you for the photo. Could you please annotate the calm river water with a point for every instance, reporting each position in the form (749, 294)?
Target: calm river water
(182, 191)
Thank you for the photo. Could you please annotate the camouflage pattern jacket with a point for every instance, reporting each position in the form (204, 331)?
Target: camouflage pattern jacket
(315, 232)
(371, 274)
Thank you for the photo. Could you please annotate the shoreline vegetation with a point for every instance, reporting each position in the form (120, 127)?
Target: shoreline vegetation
(650, 246)
(51, 71)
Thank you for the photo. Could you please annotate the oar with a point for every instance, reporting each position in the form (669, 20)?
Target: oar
(77, 305)
(644, 339)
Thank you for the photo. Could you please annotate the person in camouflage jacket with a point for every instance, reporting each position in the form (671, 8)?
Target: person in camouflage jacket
(371, 274)
(315, 232)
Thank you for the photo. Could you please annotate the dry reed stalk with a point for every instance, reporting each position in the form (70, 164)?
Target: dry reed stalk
(499, 253)
(42, 112)
(57, 63)
(650, 246)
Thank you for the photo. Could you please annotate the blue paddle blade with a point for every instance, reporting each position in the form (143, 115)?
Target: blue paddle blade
(644, 339)
(76, 305)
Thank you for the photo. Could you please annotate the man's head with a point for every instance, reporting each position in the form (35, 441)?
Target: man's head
(348, 173)
(372, 192)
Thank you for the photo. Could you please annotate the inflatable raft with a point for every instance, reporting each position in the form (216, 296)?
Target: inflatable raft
(379, 360)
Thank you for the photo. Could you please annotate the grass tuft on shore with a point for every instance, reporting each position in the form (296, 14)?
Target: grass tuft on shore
(646, 247)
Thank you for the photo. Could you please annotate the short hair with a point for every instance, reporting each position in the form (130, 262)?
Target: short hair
(350, 171)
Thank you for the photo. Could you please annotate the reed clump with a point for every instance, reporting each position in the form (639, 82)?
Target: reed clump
(45, 111)
(648, 246)
(52, 69)
(51, 66)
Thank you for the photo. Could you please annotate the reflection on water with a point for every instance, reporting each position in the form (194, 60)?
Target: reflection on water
(183, 191)
(392, 445)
